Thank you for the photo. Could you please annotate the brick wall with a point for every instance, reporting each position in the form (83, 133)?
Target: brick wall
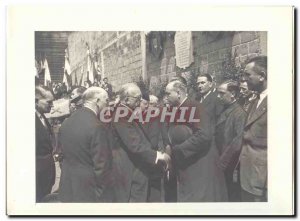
(160, 70)
(118, 55)
(211, 49)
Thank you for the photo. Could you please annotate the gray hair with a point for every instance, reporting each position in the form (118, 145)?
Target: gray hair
(125, 90)
(153, 99)
(42, 92)
(232, 86)
(178, 85)
(91, 93)
(260, 64)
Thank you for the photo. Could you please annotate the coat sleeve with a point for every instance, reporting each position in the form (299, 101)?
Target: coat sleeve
(135, 142)
(102, 159)
(256, 133)
(235, 145)
(199, 142)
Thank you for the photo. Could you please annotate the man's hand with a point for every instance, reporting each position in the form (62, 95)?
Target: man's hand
(168, 150)
(165, 159)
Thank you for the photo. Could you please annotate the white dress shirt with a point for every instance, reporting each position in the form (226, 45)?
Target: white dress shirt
(262, 96)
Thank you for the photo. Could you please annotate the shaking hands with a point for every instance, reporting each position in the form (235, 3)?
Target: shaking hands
(164, 159)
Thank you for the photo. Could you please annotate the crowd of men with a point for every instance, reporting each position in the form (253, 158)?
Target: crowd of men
(212, 148)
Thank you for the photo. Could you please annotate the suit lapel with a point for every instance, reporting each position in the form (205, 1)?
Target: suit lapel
(225, 114)
(262, 108)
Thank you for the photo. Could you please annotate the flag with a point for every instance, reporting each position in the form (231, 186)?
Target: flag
(90, 67)
(67, 72)
(47, 79)
(38, 68)
(82, 80)
(75, 81)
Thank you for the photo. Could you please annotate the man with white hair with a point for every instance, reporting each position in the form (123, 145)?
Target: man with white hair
(133, 152)
(86, 151)
(153, 101)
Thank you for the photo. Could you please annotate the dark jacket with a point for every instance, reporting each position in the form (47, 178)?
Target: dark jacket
(86, 169)
(253, 158)
(229, 135)
(199, 178)
(45, 168)
(213, 106)
(133, 155)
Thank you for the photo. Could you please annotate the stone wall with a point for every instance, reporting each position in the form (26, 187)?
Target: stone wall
(211, 52)
(118, 55)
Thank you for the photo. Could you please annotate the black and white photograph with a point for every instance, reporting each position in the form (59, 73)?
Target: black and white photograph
(154, 120)
(221, 158)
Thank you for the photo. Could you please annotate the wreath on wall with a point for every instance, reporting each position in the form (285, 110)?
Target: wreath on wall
(155, 44)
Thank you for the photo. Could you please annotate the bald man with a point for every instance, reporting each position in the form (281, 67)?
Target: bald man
(87, 155)
(45, 168)
(134, 155)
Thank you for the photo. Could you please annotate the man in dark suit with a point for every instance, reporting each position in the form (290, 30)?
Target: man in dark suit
(229, 134)
(253, 158)
(45, 168)
(246, 96)
(107, 87)
(133, 153)
(199, 178)
(85, 175)
(208, 98)
(152, 129)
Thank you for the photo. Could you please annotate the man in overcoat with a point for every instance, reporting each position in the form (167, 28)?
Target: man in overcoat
(199, 179)
(133, 154)
(86, 169)
(229, 134)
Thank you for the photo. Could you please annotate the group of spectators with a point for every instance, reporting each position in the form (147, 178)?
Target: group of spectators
(211, 148)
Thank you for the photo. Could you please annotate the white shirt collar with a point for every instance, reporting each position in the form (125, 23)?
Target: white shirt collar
(91, 109)
(262, 96)
(264, 93)
(42, 119)
(38, 114)
(207, 94)
(182, 101)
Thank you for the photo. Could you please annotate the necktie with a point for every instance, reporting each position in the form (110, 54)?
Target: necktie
(253, 107)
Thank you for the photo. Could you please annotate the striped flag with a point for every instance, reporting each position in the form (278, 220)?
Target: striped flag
(67, 71)
(47, 79)
(90, 67)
